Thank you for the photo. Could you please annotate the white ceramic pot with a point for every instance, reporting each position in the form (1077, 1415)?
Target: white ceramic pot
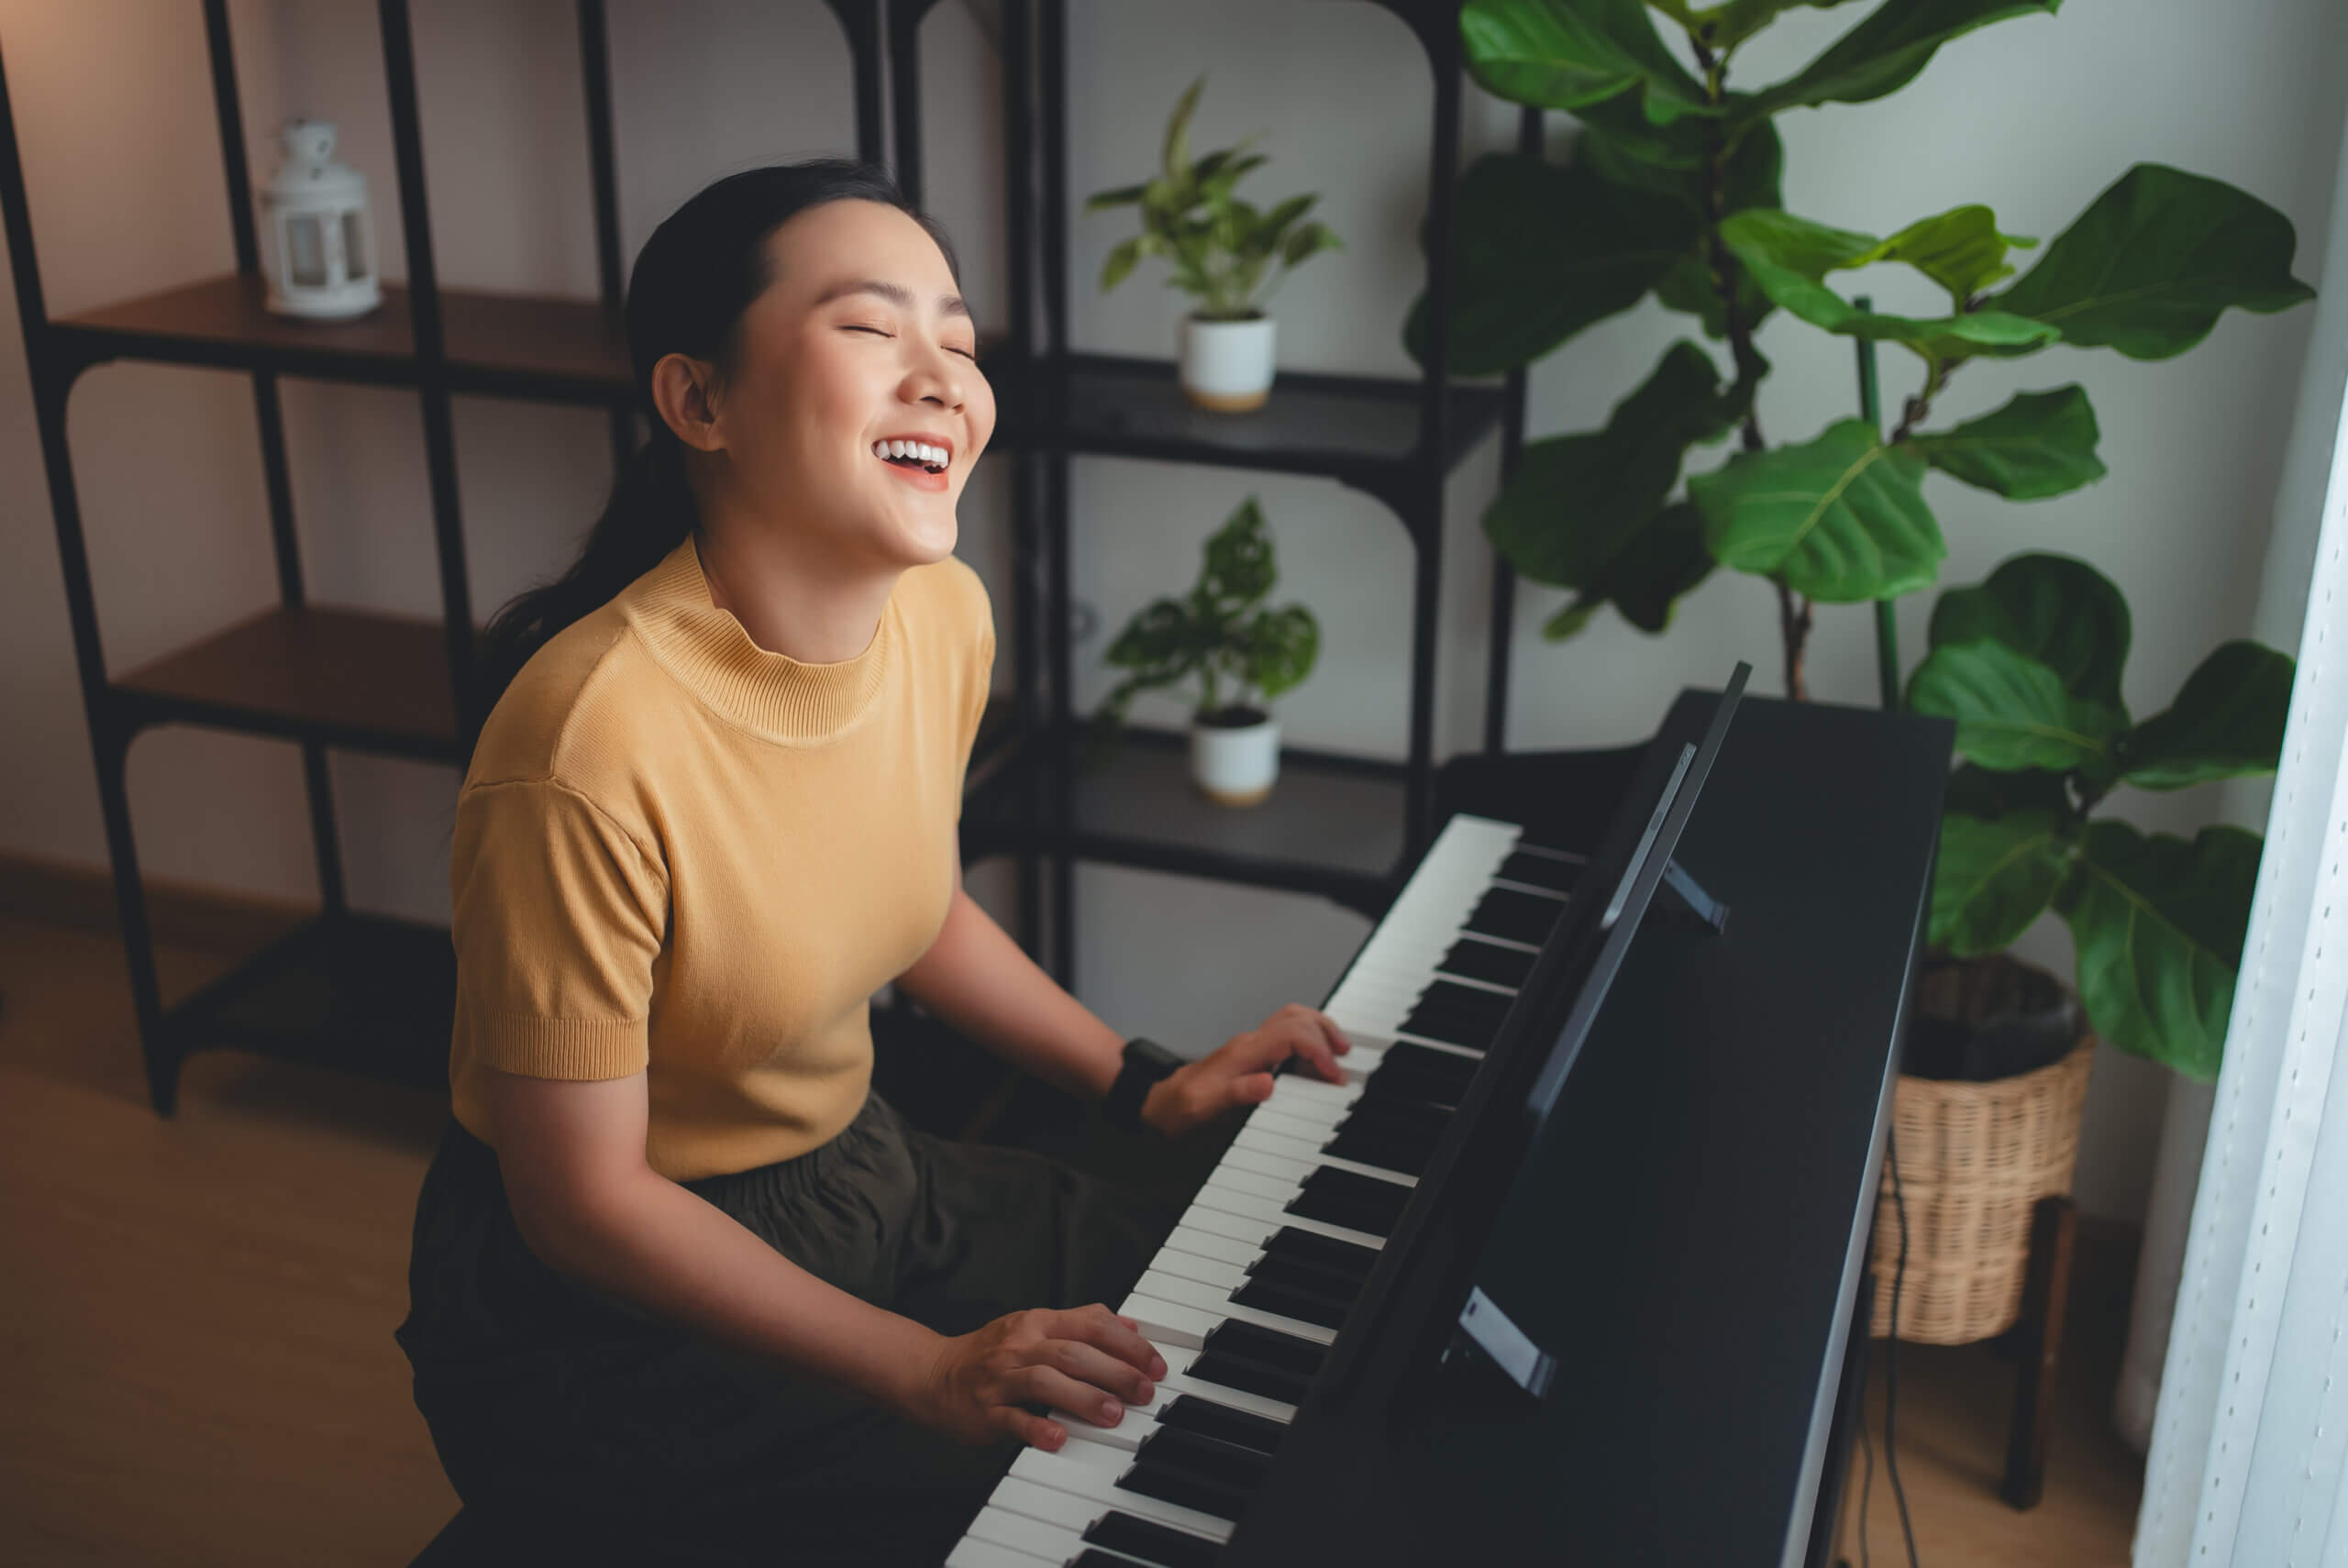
(1227, 365)
(1236, 765)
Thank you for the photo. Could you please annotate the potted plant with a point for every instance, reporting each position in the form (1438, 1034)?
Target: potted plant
(1675, 190)
(1221, 250)
(1241, 654)
(2028, 665)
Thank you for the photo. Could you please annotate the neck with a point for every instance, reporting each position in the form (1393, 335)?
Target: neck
(801, 603)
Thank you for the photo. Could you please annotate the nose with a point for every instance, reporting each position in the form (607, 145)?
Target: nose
(937, 379)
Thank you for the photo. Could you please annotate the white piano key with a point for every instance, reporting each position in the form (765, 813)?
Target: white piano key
(1276, 1145)
(1181, 1292)
(1171, 1322)
(1240, 1206)
(1254, 1183)
(1052, 1543)
(1127, 1434)
(1207, 1244)
(1229, 1276)
(1017, 1494)
(971, 1552)
(1280, 1168)
(1174, 1385)
(1091, 1472)
(1280, 1119)
(1506, 943)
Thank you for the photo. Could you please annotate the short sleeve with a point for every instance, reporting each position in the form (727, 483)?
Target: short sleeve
(980, 679)
(558, 914)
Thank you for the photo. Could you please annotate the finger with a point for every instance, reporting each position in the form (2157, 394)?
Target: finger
(1121, 1337)
(1330, 1031)
(1035, 1432)
(1253, 1088)
(1313, 1043)
(1110, 1373)
(1050, 1385)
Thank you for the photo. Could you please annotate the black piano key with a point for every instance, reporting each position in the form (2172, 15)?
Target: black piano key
(1348, 1199)
(1455, 1025)
(1520, 917)
(1191, 1414)
(1303, 1274)
(1407, 1159)
(1472, 1005)
(1286, 1352)
(1150, 1541)
(1422, 1072)
(1187, 1490)
(1305, 1307)
(1396, 1119)
(1350, 1257)
(1541, 871)
(1196, 1454)
(1250, 1378)
(1092, 1557)
(1483, 961)
(1412, 1089)
(1404, 1055)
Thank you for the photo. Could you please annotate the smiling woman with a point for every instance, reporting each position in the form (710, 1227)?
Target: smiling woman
(682, 1288)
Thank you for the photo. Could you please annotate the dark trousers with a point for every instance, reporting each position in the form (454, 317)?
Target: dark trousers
(570, 1421)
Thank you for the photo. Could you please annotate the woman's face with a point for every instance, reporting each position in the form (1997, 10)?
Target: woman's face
(860, 338)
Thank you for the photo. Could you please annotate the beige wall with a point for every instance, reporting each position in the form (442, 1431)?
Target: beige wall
(113, 108)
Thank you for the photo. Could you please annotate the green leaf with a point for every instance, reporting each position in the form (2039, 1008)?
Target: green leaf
(1569, 620)
(1278, 648)
(1687, 288)
(1566, 54)
(2058, 611)
(1120, 261)
(1975, 792)
(2012, 711)
(2159, 924)
(1755, 176)
(1994, 877)
(1789, 258)
(1884, 53)
(1962, 251)
(1176, 157)
(1240, 567)
(1576, 501)
(1841, 518)
(2041, 444)
(1124, 197)
(1731, 24)
(1541, 252)
(2151, 265)
(1663, 561)
(1308, 242)
(2227, 721)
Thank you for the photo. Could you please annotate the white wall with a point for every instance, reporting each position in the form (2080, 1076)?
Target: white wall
(2034, 117)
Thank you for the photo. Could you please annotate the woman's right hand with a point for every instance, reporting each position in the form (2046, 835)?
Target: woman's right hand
(1086, 1360)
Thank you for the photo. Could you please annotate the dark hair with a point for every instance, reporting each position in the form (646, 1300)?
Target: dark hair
(692, 282)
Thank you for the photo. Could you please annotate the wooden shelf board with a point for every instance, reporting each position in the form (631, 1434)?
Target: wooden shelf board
(1312, 424)
(350, 671)
(1330, 821)
(495, 342)
(357, 993)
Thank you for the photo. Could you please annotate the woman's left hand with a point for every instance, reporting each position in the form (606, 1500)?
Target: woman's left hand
(1238, 1073)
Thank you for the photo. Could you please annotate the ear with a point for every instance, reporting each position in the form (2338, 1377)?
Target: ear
(681, 391)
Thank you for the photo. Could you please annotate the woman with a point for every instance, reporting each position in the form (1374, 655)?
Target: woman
(682, 1288)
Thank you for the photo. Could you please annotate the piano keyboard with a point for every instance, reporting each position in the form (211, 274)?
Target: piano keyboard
(1249, 1290)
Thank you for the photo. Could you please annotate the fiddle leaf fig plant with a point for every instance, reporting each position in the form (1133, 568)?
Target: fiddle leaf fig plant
(2028, 665)
(1675, 188)
(1220, 248)
(1240, 653)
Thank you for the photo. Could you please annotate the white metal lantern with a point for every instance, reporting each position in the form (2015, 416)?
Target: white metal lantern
(321, 242)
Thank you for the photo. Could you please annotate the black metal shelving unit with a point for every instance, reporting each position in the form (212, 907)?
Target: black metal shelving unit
(374, 994)
(1342, 827)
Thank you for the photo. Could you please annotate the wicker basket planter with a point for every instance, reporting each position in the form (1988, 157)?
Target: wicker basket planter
(1974, 1160)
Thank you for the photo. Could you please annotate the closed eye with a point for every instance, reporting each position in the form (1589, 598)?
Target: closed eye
(970, 355)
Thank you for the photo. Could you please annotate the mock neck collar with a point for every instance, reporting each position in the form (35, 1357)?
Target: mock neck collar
(770, 694)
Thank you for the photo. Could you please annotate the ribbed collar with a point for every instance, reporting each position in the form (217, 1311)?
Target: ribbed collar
(770, 694)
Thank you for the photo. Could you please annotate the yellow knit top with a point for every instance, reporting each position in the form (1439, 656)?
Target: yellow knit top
(680, 854)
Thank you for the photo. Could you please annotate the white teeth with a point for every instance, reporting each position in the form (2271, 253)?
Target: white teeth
(898, 448)
(921, 451)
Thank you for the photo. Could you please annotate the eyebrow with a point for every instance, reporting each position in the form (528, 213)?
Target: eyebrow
(896, 293)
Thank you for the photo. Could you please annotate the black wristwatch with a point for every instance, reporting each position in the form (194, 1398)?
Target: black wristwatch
(1147, 1064)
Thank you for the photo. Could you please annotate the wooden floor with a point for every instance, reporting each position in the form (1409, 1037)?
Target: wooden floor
(197, 1363)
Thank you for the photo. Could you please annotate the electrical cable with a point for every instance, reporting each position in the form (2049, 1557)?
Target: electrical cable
(1891, 1355)
(1867, 1477)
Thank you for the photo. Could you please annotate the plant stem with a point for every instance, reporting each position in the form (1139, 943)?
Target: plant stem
(1794, 618)
(1912, 411)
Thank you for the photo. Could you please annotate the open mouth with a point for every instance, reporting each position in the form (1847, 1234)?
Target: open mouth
(919, 454)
